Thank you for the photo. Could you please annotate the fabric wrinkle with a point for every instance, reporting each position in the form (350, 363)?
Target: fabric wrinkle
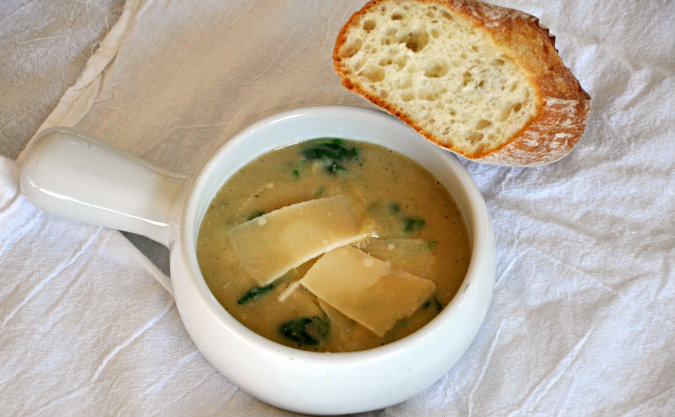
(544, 385)
(116, 349)
(486, 358)
(187, 391)
(50, 276)
(581, 322)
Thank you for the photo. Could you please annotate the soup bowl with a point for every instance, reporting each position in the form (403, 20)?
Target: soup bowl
(71, 174)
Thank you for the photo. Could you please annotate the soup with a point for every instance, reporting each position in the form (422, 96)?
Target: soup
(334, 246)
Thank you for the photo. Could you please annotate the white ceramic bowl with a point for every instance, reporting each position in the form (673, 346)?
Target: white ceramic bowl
(70, 174)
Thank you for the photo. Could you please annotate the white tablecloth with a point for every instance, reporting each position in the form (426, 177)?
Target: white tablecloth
(583, 317)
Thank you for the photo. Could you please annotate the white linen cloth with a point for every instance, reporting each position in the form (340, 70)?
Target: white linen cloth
(43, 47)
(583, 317)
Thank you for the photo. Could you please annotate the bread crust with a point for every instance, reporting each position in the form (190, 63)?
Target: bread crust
(564, 106)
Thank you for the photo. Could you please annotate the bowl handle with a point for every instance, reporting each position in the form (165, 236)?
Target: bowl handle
(73, 175)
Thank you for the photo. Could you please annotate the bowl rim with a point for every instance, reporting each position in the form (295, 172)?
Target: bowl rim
(480, 233)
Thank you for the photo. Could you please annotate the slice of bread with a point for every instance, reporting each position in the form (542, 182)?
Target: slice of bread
(483, 81)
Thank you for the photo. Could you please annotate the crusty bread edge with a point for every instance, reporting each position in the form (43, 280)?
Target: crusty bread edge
(564, 107)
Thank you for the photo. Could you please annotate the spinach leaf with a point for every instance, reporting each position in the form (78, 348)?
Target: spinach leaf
(432, 301)
(254, 293)
(331, 151)
(305, 330)
(335, 167)
(398, 212)
(411, 224)
(394, 208)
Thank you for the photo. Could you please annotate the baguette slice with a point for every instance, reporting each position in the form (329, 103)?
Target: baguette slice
(483, 81)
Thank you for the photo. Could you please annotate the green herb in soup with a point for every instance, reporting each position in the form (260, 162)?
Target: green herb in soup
(254, 293)
(433, 302)
(332, 153)
(413, 224)
(333, 245)
(305, 331)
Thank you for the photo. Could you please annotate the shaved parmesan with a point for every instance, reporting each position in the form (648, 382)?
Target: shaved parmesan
(269, 245)
(366, 289)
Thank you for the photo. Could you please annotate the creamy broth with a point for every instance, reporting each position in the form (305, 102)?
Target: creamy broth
(413, 221)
